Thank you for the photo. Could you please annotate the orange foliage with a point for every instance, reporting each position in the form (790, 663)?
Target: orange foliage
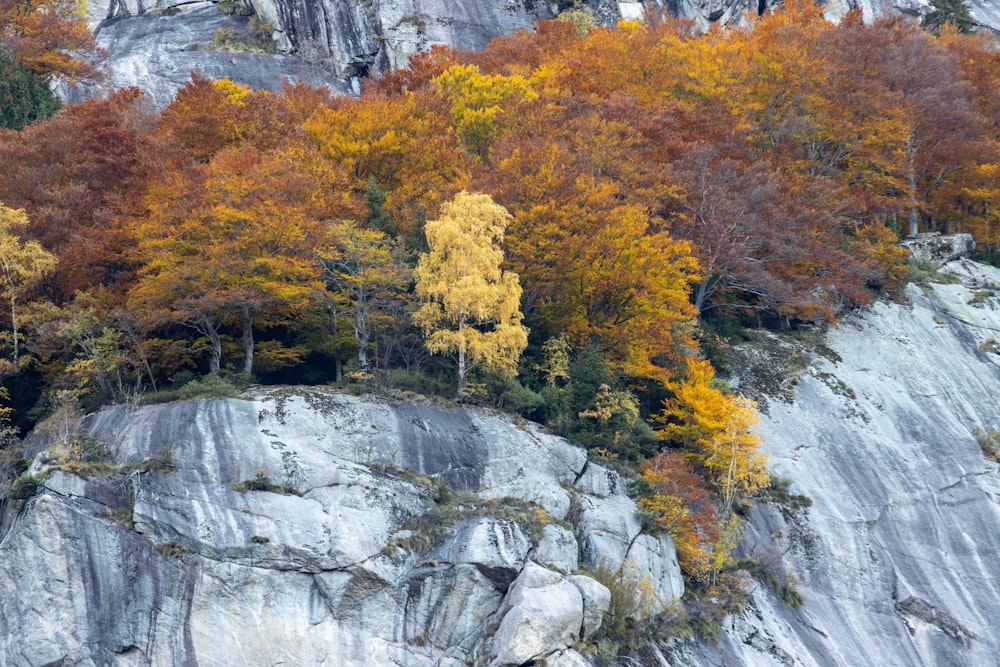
(682, 507)
(79, 176)
(49, 37)
(403, 144)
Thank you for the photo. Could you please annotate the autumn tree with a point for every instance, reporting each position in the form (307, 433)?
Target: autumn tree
(593, 261)
(470, 305)
(401, 145)
(49, 37)
(715, 430)
(231, 241)
(478, 102)
(365, 274)
(680, 504)
(81, 177)
(23, 265)
(100, 346)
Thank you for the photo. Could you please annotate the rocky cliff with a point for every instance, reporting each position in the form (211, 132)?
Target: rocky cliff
(300, 526)
(303, 527)
(155, 44)
(880, 424)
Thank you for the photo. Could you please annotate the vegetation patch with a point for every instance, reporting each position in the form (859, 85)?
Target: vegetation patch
(779, 493)
(451, 508)
(262, 482)
(210, 386)
(923, 272)
(257, 39)
(769, 569)
(989, 443)
(982, 298)
(171, 548)
(24, 487)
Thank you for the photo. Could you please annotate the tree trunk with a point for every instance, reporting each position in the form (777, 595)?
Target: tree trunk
(13, 322)
(363, 352)
(911, 184)
(206, 327)
(216, 360)
(248, 318)
(461, 371)
(461, 356)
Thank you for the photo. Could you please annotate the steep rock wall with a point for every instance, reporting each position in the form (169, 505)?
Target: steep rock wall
(899, 552)
(370, 565)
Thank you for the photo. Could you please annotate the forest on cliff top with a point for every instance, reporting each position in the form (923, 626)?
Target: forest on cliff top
(622, 200)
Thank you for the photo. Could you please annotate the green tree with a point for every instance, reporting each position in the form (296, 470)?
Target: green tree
(948, 11)
(469, 304)
(25, 97)
(22, 264)
(366, 276)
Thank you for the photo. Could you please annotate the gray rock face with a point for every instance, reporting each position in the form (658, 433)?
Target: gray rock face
(157, 53)
(155, 44)
(941, 249)
(899, 552)
(984, 12)
(364, 564)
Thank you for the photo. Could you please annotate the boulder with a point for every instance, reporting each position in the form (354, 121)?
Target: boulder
(596, 601)
(544, 614)
(940, 249)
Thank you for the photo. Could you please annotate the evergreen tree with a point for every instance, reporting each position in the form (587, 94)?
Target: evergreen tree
(948, 11)
(24, 96)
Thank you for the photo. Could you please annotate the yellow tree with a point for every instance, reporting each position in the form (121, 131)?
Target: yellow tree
(715, 430)
(477, 100)
(23, 264)
(469, 304)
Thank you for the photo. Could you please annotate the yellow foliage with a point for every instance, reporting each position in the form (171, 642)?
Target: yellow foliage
(715, 429)
(477, 100)
(23, 264)
(235, 93)
(462, 286)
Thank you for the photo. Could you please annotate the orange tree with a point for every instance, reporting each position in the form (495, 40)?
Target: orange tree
(229, 241)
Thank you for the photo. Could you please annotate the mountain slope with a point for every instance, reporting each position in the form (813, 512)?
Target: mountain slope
(899, 552)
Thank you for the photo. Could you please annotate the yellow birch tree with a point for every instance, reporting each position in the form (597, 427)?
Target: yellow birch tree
(469, 304)
(22, 264)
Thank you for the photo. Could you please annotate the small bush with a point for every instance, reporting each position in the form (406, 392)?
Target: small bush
(769, 569)
(421, 383)
(210, 386)
(924, 271)
(778, 493)
(171, 548)
(121, 515)
(160, 463)
(24, 487)
(989, 442)
(262, 482)
(633, 599)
